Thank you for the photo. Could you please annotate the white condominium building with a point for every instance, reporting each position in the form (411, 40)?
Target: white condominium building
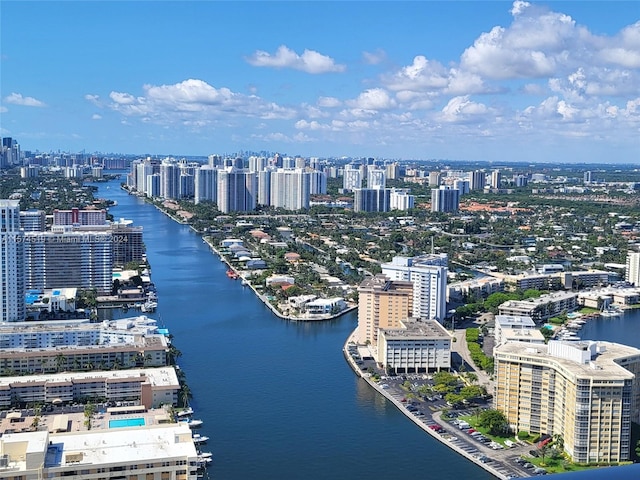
(151, 387)
(633, 268)
(586, 392)
(428, 274)
(12, 284)
(157, 452)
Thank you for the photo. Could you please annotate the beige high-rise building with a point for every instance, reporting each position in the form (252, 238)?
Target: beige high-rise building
(382, 304)
(586, 392)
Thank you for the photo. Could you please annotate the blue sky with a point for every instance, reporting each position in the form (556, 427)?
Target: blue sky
(501, 81)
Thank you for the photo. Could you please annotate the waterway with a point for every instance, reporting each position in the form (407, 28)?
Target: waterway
(277, 398)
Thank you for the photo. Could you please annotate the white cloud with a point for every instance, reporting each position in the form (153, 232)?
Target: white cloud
(329, 102)
(95, 116)
(18, 99)
(3, 109)
(519, 7)
(462, 109)
(94, 99)
(373, 99)
(374, 58)
(310, 61)
(193, 101)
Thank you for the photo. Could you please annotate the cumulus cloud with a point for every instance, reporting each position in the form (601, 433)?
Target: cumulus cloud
(96, 116)
(373, 99)
(18, 99)
(310, 61)
(462, 109)
(93, 99)
(329, 102)
(192, 101)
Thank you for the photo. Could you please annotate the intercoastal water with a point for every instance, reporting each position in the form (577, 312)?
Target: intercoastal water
(277, 398)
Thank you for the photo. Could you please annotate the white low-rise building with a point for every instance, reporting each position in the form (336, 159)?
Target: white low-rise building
(150, 453)
(511, 322)
(322, 306)
(418, 346)
(152, 387)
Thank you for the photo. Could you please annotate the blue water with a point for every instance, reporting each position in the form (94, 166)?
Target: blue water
(126, 422)
(277, 398)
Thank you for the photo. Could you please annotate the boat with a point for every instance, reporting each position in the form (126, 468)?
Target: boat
(199, 439)
(149, 306)
(185, 412)
(232, 275)
(205, 454)
(610, 311)
(192, 422)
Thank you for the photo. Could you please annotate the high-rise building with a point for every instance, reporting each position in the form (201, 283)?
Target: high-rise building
(434, 179)
(351, 179)
(33, 221)
(496, 179)
(12, 283)
(318, 183)
(257, 164)
(75, 216)
(264, 186)
(290, 189)
(237, 190)
(586, 392)
(632, 274)
(376, 178)
(401, 199)
(152, 188)
(462, 186)
(445, 199)
(169, 180)
(393, 171)
(382, 303)
(587, 176)
(67, 258)
(371, 199)
(428, 274)
(476, 180)
(206, 184)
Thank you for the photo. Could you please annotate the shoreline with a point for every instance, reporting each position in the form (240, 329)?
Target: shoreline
(416, 420)
(262, 298)
(265, 300)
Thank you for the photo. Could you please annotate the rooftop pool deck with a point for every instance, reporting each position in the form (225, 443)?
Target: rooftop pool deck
(126, 422)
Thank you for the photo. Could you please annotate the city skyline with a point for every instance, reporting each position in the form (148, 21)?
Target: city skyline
(478, 81)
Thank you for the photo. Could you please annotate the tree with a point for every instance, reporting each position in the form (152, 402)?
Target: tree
(495, 421)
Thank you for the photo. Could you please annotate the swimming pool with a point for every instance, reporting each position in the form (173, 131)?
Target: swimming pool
(116, 275)
(126, 422)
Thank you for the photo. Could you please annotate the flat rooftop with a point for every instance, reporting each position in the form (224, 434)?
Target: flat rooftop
(156, 376)
(602, 366)
(417, 329)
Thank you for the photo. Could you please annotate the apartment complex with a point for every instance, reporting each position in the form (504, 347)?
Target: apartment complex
(542, 308)
(151, 387)
(12, 282)
(382, 303)
(632, 274)
(428, 274)
(414, 347)
(77, 345)
(67, 258)
(156, 452)
(586, 392)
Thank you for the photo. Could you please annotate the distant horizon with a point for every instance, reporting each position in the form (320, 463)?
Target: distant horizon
(534, 82)
(247, 153)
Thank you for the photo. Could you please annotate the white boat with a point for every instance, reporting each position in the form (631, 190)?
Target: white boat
(198, 439)
(192, 423)
(185, 412)
(205, 454)
(149, 306)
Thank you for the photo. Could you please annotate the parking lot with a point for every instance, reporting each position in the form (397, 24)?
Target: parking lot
(427, 412)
